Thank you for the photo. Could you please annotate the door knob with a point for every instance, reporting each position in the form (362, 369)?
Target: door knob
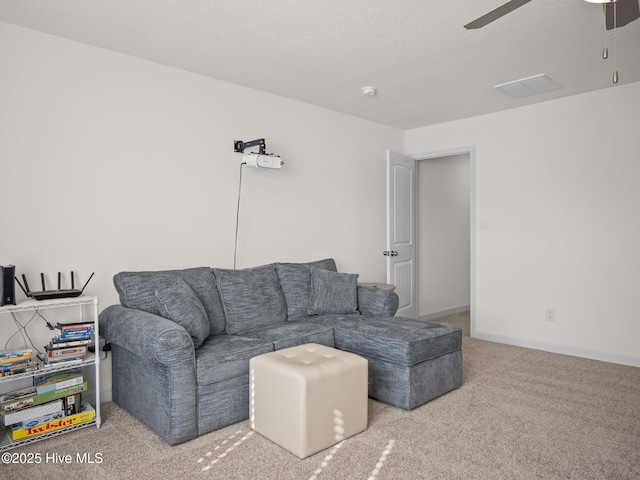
(391, 253)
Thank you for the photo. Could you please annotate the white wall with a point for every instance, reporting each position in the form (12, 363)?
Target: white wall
(112, 163)
(443, 234)
(558, 182)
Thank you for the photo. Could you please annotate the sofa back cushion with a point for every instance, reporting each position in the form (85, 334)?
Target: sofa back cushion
(251, 297)
(333, 293)
(295, 279)
(181, 305)
(138, 290)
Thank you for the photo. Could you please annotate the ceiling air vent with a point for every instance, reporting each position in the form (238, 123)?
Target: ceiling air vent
(528, 86)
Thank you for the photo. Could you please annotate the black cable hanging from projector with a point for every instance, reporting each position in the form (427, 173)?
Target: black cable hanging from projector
(262, 159)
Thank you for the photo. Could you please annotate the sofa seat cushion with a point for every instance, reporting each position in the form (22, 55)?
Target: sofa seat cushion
(292, 334)
(138, 290)
(223, 357)
(393, 339)
(295, 279)
(251, 297)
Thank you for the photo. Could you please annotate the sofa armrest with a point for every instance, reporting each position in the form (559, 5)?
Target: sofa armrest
(147, 335)
(154, 371)
(377, 301)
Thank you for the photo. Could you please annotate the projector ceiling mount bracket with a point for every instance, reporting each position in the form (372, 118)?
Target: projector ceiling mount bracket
(239, 146)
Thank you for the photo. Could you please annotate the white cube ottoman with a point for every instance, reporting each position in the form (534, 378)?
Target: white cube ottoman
(308, 398)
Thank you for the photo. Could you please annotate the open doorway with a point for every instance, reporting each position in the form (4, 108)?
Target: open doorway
(402, 231)
(444, 239)
(464, 318)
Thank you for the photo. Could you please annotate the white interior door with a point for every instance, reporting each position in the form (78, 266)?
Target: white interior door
(401, 231)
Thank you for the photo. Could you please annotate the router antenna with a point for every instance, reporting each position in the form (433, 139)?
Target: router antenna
(85, 285)
(26, 285)
(71, 279)
(25, 292)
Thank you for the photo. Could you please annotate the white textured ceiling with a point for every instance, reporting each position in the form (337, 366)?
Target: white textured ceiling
(427, 68)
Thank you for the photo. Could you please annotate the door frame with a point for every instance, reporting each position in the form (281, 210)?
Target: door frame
(471, 151)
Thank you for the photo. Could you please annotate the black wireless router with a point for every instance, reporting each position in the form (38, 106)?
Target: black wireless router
(50, 294)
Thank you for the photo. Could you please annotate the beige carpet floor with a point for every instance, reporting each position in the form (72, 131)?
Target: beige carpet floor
(520, 414)
(460, 319)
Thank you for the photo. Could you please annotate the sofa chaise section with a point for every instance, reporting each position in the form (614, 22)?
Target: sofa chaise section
(410, 362)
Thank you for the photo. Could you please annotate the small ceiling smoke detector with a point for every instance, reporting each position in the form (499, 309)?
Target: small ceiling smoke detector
(369, 91)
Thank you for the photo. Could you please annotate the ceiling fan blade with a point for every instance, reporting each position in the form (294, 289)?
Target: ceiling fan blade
(496, 14)
(627, 12)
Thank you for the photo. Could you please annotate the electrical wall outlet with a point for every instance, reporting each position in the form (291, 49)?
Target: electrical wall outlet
(483, 222)
(103, 348)
(550, 315)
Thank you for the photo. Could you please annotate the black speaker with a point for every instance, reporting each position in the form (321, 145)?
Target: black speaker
(7, 285)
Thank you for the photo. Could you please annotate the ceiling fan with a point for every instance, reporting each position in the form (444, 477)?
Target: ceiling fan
(627, 11)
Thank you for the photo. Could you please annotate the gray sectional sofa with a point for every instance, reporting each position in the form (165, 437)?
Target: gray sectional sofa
(182, 339)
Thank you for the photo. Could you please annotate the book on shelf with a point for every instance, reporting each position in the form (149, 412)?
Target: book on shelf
(33, 422)
(14, 359)
(39, 411)
(62, 352)
(69, 347)
(22, 367)
(16, 362)
(29, 397)
(72, 404)
(58, 355)
(76, 331)
(57, 380)
(71, 338)
(56, 361)
(74, 325)
(13, 352)
(86, 414)
(67, 343)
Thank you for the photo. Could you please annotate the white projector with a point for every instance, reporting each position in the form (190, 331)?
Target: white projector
(259, 160)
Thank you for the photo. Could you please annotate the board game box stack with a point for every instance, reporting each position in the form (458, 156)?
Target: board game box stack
(54, 402)
(70, 345)
(16, 361)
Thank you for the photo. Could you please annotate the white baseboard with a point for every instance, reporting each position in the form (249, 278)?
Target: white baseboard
(443, 313)
(561, 349)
